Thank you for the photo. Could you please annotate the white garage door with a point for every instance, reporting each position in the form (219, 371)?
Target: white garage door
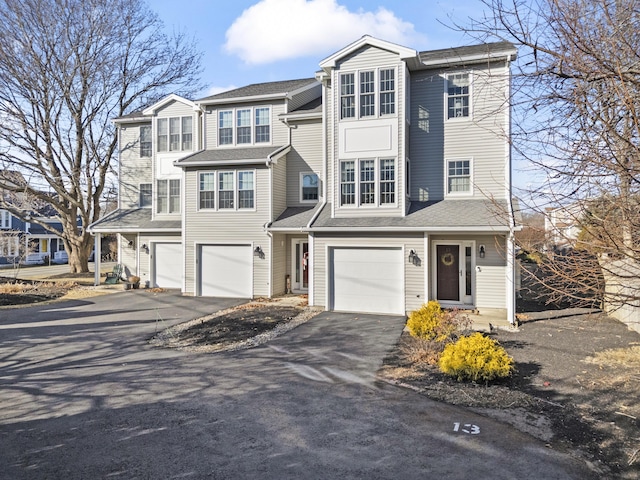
(168, 269)
(225, 271)
(368, 280)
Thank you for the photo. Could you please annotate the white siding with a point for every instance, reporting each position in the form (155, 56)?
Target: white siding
(279, 187)
(134, 169)
(279, 267)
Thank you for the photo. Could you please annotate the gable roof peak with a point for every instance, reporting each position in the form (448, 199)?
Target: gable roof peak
(166, 100)
(367, 40)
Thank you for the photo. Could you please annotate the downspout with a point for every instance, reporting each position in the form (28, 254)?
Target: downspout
(511, 259)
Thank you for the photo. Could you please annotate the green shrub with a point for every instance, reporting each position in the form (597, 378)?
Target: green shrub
(431, 322)
(476, 358)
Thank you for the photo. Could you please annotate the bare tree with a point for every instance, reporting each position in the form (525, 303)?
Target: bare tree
(577, 119)
(67, 67)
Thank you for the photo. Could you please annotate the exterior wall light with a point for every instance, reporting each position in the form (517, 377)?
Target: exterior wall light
(414, 258)
(481, 251)
(257, 252)
(145, 248)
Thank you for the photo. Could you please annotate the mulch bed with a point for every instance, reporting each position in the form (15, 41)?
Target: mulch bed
(35, 292)
(558, 393)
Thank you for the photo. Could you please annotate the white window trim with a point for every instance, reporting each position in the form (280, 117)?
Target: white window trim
(446, 178)
(252, 126)
(376, 93)
(377, 183)
(446, 97)
(302, 174)
(140, 194)
(236, 190)
(5, 220)
(156, 192)
(168, 119)
(151, 141)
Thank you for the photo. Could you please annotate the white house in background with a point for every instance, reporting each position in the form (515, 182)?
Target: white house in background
(377, 185)
(562, 225)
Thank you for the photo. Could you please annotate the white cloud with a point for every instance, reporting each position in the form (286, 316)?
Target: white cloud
(273, 30)
(214, 90)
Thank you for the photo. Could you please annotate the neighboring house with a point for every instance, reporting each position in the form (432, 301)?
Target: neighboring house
(562, 225)
(383, 182)
(27, 242)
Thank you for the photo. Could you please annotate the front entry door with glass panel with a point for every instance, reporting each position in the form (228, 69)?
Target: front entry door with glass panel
(454, 273)
(300, 266)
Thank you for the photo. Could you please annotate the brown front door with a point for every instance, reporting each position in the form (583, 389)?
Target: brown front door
(448, 281)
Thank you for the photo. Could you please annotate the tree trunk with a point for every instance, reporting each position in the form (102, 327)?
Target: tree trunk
(78, 259)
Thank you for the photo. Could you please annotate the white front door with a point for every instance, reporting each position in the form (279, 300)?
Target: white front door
(301, 266)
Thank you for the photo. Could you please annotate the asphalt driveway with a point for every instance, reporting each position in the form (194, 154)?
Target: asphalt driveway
(83, 396)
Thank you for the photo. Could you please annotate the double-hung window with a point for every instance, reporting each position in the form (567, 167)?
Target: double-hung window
(225, 127)
(207, 190)
(243, 124)
(226, 190)
(245, 190)
(376, 184)
(309, 187)
(459, 177)
(458, 95)
(145, 141)
(146, 195)
(263, 125)
(5, 219)
(370, 93)
(347, 96)
(175, 134)
(168, 196)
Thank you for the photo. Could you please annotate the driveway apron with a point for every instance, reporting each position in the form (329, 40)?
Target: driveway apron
(82, 395)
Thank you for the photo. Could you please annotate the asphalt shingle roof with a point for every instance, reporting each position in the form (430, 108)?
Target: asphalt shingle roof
(295, 217)
(451, 54)
(258, 89)
(136, 218)
(224, 155)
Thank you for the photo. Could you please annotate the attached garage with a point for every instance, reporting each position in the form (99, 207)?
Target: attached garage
(368, 280)
(167, 265)
(225, 271)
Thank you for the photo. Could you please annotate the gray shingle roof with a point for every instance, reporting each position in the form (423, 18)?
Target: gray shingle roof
(314, 106)
(444, 214)
(227, 155)
(259, 89)
(295, 217)
(449, 55)
(136, 219)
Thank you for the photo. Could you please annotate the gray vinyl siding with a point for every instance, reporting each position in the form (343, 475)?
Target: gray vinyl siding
(135, 260)
(481, 139)
(228, 227)
(368, 58)
(279, 187)
(305, 156)
(413, 275)
(279, 264)
(134, 169)
(304, 97)
(279, 131)
(127, 255)
(330, 125)
(175, 109)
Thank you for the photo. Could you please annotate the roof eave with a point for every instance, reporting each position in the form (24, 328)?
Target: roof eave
(251, 98)
(468, 59)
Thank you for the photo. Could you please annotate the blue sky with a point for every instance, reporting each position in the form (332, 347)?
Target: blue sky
(252, 41)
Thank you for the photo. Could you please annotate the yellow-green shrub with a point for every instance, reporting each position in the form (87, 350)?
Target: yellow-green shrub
(476, 358)
(430, 322)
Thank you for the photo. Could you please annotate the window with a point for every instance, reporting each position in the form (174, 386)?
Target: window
(163, 132)
(263, 125)
(387, 92)
(347, 96)
(245, 190)
(206, 189)
(367, 182)
(371, 84)
(309, 187)
(187, 133)
(347, 183)
(175, 134)
(226, 190)
(367, 94)
(243, 122)
(5, 219)
(458, 95)
(145, 141)
(387, 181)
(225, 128)
(458, 176)
(168, 200)
(375, 175)
(146, 195)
